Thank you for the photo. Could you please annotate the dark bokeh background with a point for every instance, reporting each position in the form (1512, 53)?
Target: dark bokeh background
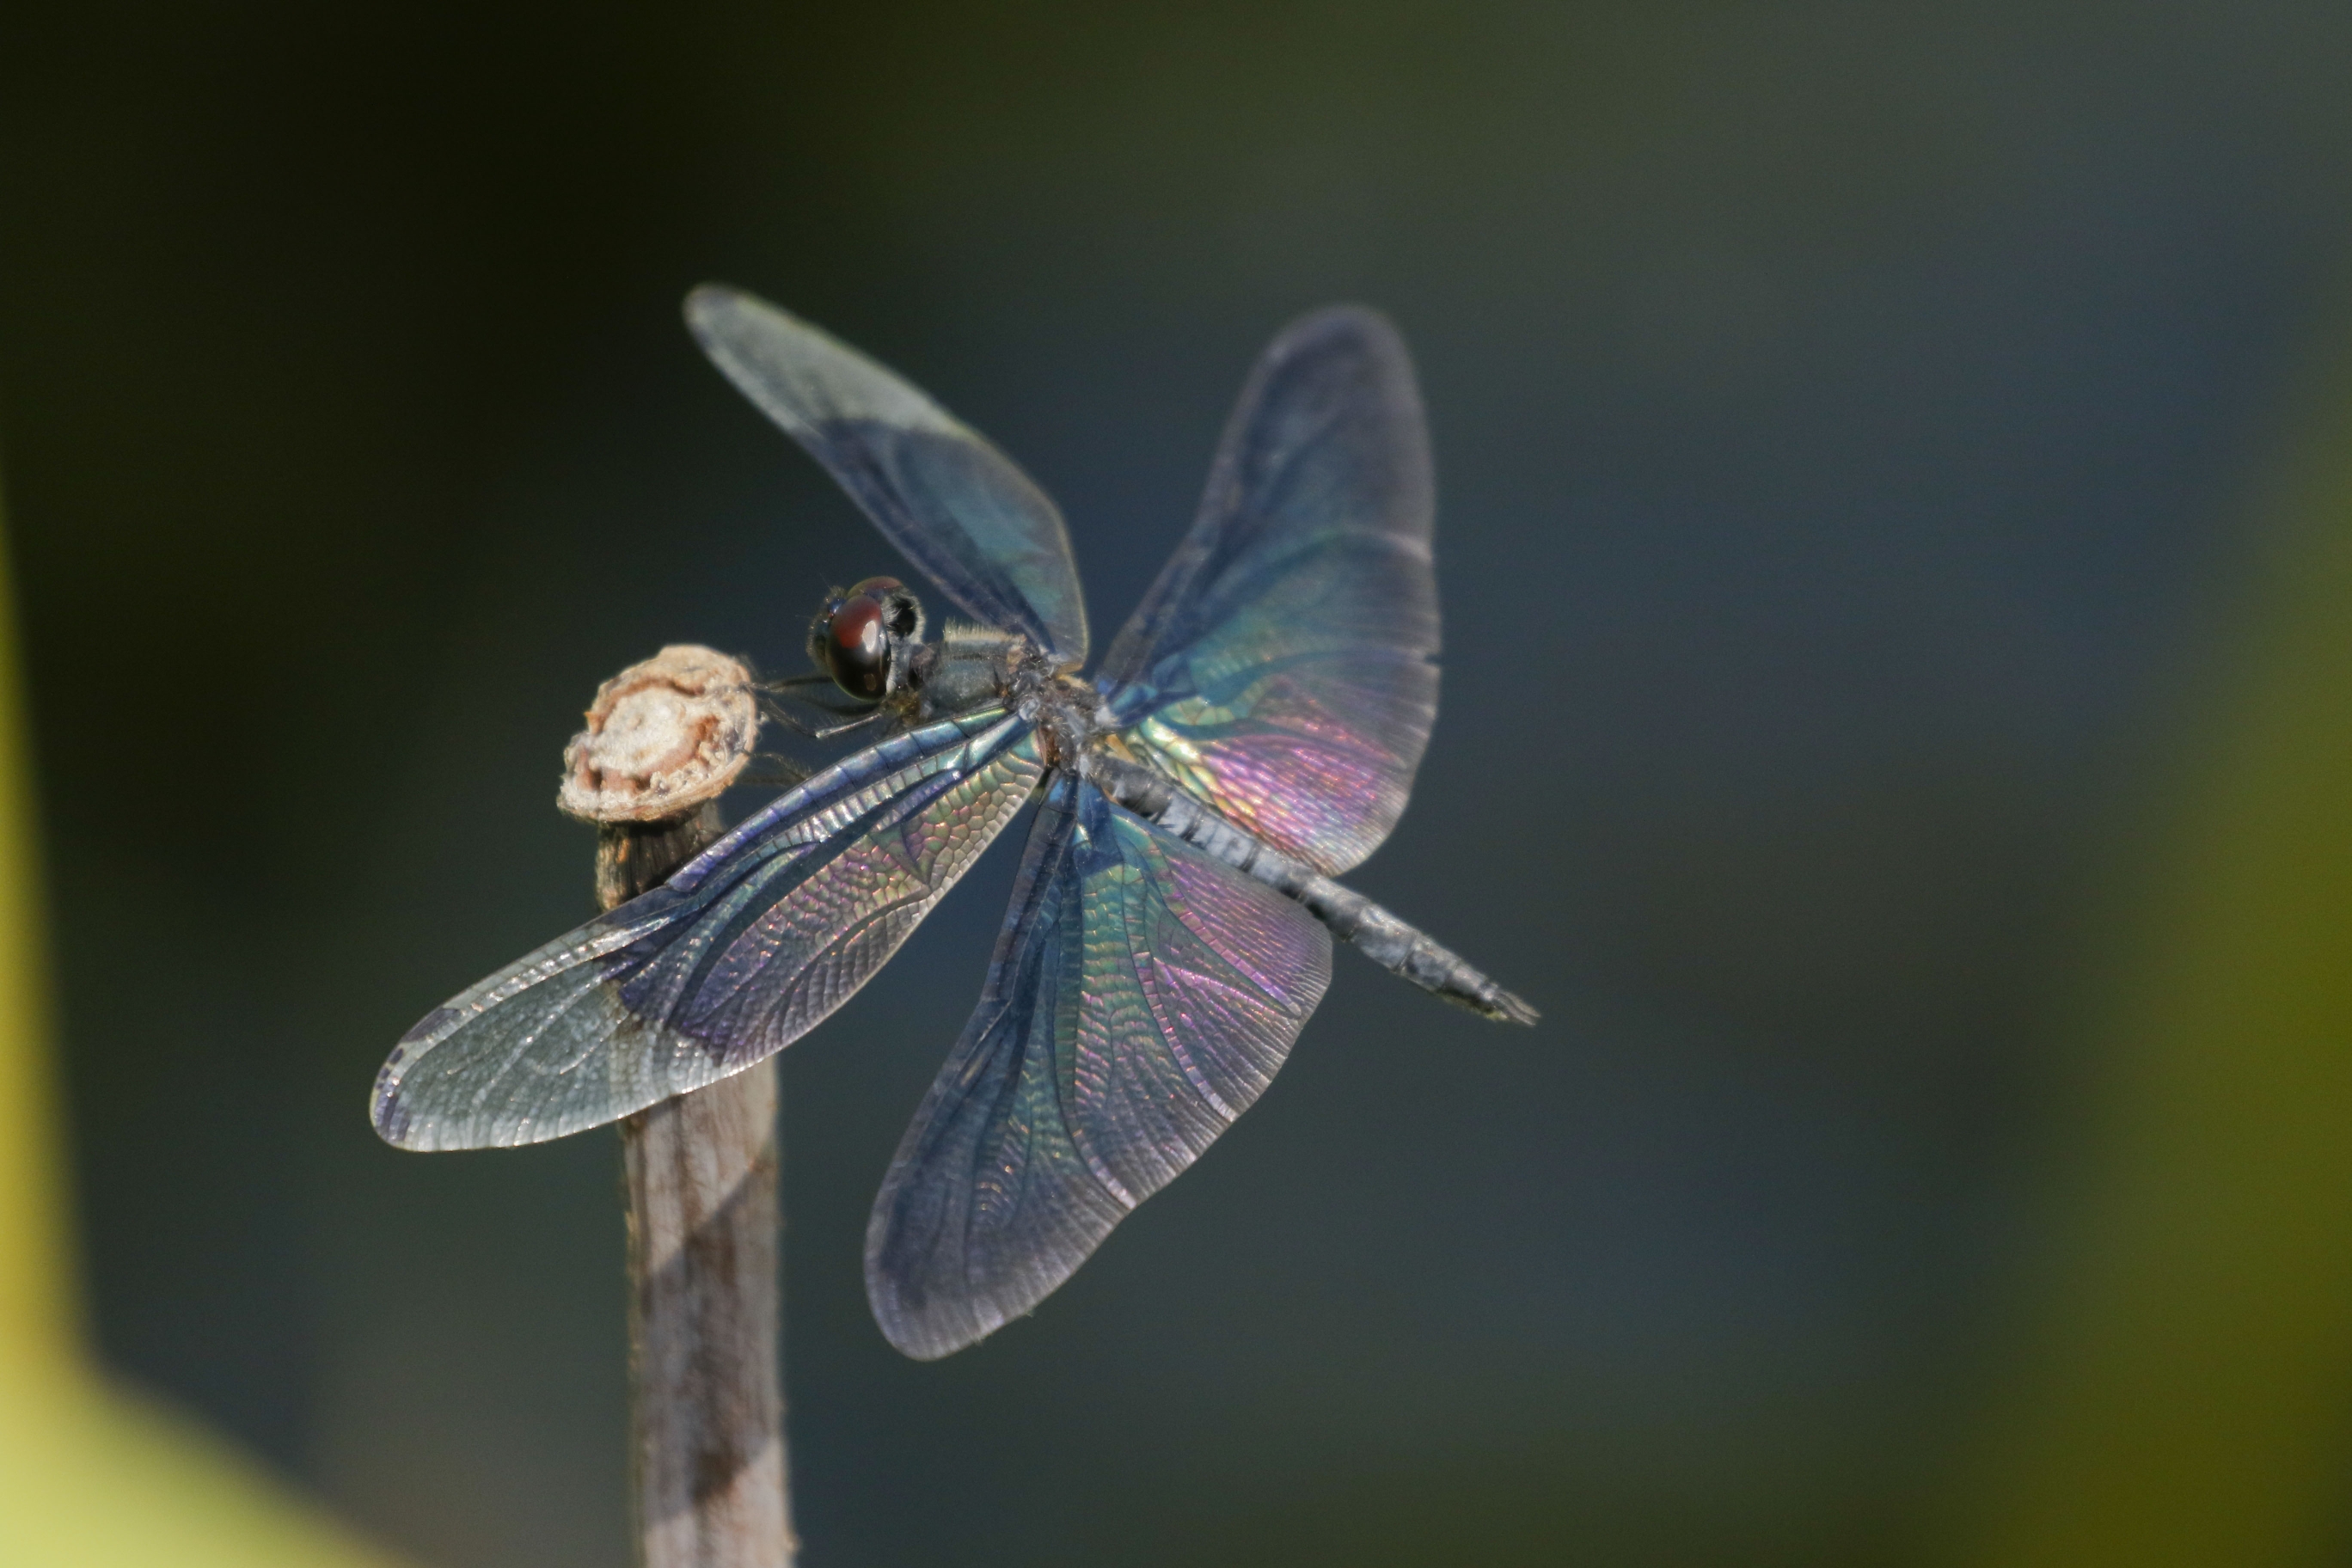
(1845, 416)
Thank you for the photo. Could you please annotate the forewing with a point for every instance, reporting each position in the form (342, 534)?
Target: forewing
(953, 505)
(1140, 999)
(742, 953)
(1282, 668)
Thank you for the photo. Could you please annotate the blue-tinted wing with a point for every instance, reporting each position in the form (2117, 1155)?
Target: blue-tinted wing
(1282, 668)
(953, 505)
(741, 953)
(1142, 997)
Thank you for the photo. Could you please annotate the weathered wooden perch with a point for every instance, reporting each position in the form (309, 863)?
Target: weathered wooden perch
(705, 1326)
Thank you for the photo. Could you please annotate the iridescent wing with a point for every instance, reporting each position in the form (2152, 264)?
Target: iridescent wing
(953, 505)
(1140, 999)
(1281, 668)
(741, 953)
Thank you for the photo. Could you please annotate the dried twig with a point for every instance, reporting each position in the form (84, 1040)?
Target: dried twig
(707, 1403)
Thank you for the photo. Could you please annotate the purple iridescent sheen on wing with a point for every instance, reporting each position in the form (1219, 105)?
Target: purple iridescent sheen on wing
(749, 947)
(1282, 668)
(1142, 997)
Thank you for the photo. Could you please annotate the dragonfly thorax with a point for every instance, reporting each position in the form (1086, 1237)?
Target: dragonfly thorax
(1068, 711)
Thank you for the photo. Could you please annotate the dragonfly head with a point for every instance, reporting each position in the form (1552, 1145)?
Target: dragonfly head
(863, 636)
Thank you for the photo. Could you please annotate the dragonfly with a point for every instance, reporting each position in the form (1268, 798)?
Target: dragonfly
(1252, 734)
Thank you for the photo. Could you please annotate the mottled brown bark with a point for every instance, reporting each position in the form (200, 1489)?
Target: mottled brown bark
(707, 1405)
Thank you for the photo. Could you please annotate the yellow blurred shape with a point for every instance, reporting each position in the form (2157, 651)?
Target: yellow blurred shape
(91, 1475)
(2190, 1400)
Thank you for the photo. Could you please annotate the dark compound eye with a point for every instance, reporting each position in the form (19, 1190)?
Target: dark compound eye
(857, 647)
(900, 613)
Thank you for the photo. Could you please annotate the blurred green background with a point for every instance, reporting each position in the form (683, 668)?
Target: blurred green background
(1896, 530)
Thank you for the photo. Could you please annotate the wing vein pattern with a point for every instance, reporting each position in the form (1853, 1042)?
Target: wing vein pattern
(746, 949)
(1142, 996)
(962, 512)
(1282, 666)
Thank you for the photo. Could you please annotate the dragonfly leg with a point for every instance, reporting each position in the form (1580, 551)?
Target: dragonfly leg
(771, 770)
(855, 718)
(767, 692)
(792, 683)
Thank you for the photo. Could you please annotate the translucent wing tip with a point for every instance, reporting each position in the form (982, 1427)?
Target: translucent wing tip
(929, 1314)
(1364, 324)
(723, 318)
(388, 1113)
(921, 1335)
(706, 302)
(385, 1111)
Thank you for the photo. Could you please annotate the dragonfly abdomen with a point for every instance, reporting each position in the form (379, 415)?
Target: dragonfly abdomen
(1389, 941)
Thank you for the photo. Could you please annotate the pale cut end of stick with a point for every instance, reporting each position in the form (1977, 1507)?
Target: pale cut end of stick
(663, 737)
